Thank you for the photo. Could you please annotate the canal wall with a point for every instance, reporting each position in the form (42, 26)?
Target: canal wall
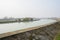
(42, 33)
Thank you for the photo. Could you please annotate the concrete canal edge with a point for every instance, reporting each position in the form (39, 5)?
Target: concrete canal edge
(44, 32)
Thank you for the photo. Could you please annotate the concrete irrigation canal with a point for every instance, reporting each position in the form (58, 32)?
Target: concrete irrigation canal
(39, 30)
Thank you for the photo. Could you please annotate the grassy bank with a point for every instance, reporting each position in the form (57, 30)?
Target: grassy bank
(7, 22)
(57, 37)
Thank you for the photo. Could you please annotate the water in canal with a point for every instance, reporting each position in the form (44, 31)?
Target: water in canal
(10, 27)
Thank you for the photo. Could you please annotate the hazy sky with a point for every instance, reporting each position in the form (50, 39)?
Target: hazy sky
(29, 8)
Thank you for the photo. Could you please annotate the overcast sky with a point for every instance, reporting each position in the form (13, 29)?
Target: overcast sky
(29, 8)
